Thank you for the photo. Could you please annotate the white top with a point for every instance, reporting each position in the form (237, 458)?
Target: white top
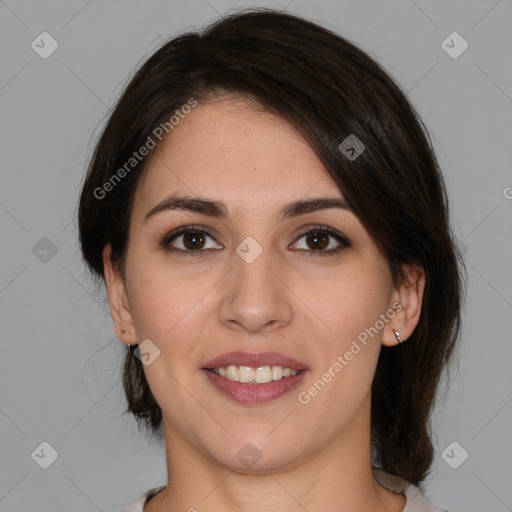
(416, 501)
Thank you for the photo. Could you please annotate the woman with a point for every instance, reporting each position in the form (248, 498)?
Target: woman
(269, 218)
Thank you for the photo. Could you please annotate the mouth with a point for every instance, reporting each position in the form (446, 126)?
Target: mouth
(254, 367)
(254, 377)
(250, 375)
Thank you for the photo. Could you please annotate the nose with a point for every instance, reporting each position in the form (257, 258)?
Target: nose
(256, 297)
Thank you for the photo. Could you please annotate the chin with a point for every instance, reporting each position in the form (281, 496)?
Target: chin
(258, 454)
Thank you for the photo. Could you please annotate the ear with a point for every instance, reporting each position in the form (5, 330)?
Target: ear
(118, 299)
(406, 300)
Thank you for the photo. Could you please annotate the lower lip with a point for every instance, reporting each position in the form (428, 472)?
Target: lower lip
(255, 393)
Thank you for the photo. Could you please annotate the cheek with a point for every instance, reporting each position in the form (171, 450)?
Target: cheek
(345, 365)
(162, 299)
(347, 310)
(169, 310)
(348, 301)
(151, 306)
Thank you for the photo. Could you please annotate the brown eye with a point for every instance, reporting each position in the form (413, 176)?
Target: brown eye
(193, 240)
(318, 238)
(188, 240)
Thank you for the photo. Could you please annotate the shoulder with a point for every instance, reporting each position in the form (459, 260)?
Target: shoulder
(416, 501)
(138, 505)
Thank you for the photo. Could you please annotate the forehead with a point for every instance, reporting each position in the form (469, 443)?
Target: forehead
(239, 154)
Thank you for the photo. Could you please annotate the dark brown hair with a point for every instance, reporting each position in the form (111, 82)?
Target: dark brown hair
(328, 89)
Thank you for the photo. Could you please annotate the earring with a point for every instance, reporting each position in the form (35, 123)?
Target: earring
(397, 335)
(124, 331)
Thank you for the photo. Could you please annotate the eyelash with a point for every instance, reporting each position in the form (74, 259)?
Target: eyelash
(343, 241)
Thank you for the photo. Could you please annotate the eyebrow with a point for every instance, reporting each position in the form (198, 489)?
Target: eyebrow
(213, 208)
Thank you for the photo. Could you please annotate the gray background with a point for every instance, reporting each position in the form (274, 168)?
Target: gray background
(60, 362)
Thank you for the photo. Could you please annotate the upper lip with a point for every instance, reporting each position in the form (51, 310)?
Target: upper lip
(255, 360)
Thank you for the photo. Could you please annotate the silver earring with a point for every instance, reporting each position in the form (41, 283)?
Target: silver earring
(397, 335)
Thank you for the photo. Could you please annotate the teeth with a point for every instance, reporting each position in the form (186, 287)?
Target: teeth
(277, 372)
(251, 375)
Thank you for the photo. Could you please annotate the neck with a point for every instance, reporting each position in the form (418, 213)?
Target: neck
(336, 477)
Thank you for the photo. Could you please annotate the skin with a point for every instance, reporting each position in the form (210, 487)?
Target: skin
(316, 456)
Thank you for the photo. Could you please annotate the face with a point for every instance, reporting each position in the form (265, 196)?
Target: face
(304, 286)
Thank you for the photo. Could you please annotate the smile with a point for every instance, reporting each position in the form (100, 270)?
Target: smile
(249, 375)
